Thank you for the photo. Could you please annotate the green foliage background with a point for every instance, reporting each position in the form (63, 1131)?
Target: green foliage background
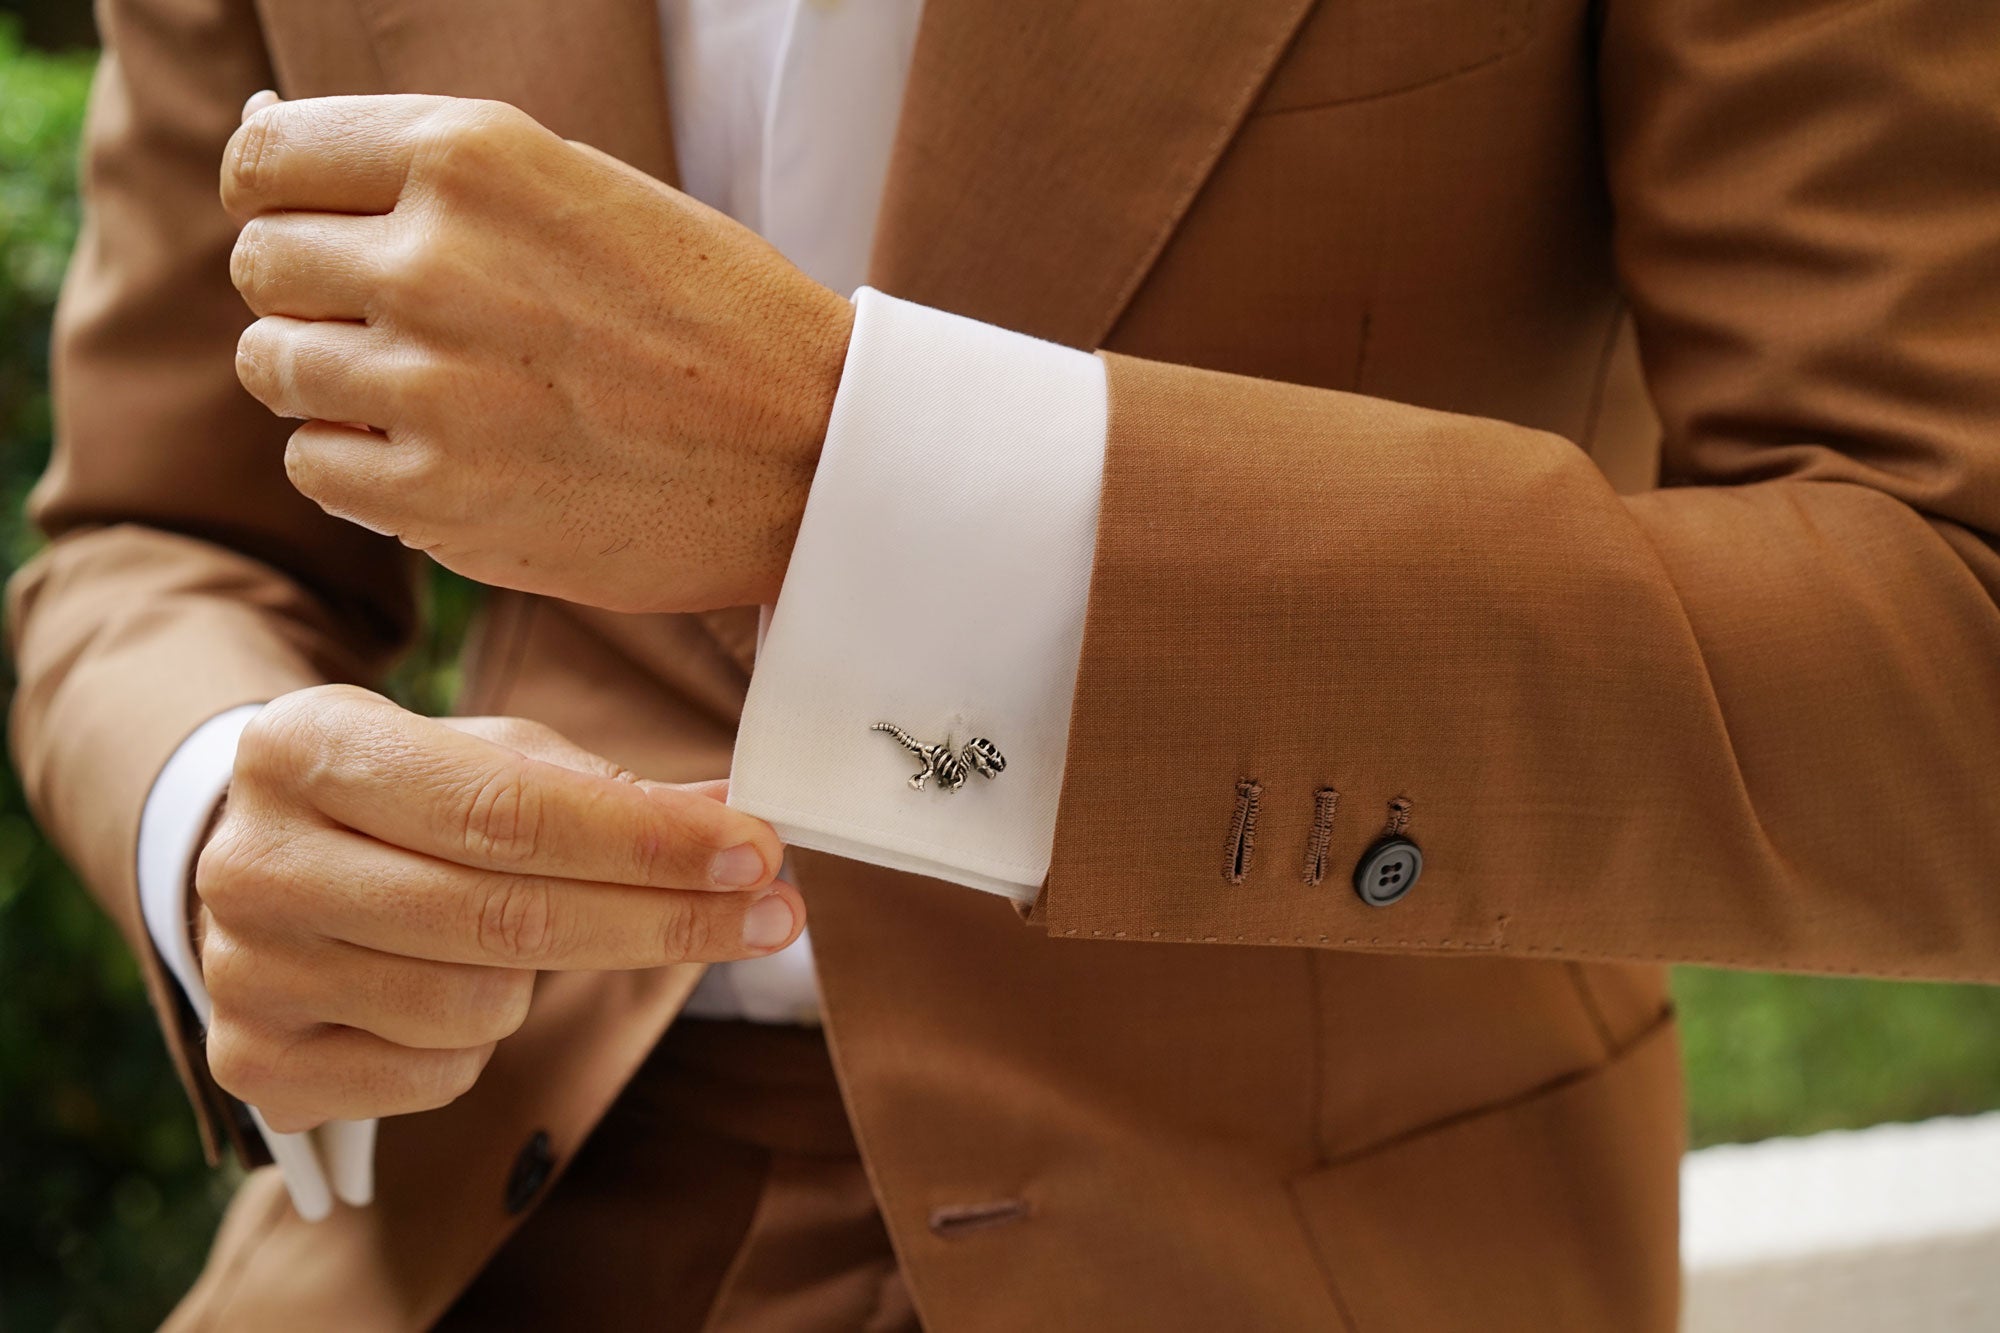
(105, 1204)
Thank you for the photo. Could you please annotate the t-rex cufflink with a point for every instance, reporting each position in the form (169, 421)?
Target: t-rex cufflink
(979, 755)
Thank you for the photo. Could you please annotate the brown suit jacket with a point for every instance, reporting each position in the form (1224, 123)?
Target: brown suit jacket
(1377, 280)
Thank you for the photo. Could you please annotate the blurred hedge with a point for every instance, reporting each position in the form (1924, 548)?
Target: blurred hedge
(105, 1205)
(104, 1201)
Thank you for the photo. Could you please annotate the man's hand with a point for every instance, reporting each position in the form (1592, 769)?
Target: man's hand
(543, 367)
(382, 888)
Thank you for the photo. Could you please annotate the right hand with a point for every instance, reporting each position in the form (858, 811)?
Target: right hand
(382, 887)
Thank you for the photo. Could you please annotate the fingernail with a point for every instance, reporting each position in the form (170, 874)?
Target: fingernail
(737, 868)
(768, 923)
(258, 101)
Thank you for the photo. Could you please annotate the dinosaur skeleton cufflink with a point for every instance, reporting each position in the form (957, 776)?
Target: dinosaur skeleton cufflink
(951, 770)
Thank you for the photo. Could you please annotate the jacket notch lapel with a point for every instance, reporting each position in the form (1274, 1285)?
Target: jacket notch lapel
(1047, 152)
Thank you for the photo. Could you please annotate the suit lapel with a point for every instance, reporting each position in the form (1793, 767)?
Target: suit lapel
(588, 69)
(1047, 151)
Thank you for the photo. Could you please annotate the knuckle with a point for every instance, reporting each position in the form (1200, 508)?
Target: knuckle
(500, 1009)
(685, 934)
(445, 495)
(417, 375)
(431, 1080)
(416, 383)
(518, 733)
(242, 1060)
(283, 742)
(516, 921)
(224, 970)
(230, 873)
(516, 999)
(433, 543)
(456, 1074)
(462, 143)
(246, 268)
(409, 280)
(217, 867)
(305, 358)
(352, 699)
(501, 820)
(490, 125)
(303, 470)
(303, 744)
(250, 166)
(655, 859)
(458, 144)
(256, 355)
(267, 744)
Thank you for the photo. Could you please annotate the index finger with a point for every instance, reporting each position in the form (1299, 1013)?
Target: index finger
(410, 781)
(324, 154)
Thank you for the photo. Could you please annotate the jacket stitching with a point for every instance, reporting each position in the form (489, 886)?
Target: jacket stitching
(1399, 817)
(1326, 801)
(1242, 831)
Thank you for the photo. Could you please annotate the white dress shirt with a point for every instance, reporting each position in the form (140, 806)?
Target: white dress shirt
(942, 565)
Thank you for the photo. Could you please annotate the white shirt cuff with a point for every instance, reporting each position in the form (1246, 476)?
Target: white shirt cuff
(939, 583)
(335, 1160)
(177, 812)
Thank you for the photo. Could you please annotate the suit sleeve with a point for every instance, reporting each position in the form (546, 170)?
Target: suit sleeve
(183, 575)
(1749, 719)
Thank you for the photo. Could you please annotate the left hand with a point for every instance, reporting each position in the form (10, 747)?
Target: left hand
(541, 366)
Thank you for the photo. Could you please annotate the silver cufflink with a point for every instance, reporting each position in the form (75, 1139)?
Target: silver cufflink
(979, 755)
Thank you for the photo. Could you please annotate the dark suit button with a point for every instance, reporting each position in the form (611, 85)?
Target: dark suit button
(531, 1171)
(1388, 870)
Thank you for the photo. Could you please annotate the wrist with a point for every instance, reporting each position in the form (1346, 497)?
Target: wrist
(830, 329)
(818, 356)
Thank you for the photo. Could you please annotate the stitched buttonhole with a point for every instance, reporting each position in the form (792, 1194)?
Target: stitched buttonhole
(1399, 816)
(1242, 831)
(1325, 801)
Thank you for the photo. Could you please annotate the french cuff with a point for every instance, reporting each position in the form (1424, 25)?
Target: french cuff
(335, 1160)
(938, 586)
(178, 808)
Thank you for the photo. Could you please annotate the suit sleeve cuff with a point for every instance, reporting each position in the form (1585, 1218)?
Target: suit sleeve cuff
(939, 584)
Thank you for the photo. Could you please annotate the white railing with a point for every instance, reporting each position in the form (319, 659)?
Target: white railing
(1894, 1229)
